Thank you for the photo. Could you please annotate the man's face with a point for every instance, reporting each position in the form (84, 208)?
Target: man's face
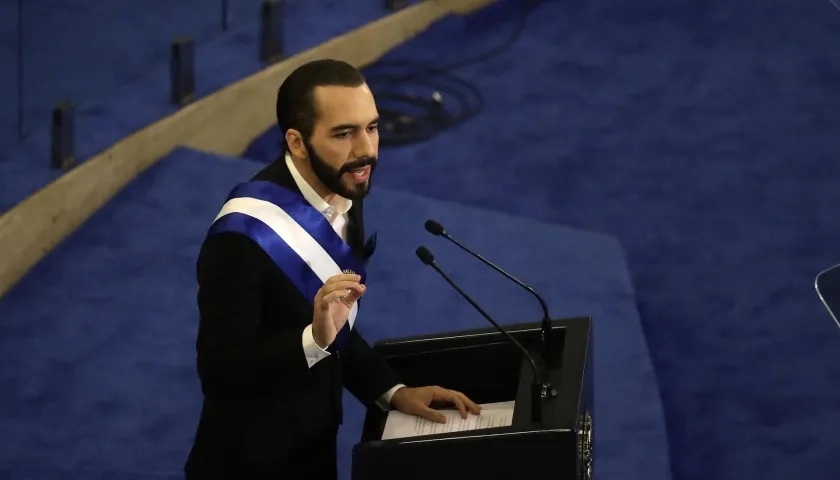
(344, 144)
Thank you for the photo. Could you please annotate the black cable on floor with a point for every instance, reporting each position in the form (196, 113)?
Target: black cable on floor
(417, 101)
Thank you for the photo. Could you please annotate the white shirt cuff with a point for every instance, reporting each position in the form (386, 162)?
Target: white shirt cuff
(384, 401)
(313, 352)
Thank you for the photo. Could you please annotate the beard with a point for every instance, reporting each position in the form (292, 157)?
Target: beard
(333, 178)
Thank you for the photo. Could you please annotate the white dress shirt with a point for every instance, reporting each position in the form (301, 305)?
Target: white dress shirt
(336, 214)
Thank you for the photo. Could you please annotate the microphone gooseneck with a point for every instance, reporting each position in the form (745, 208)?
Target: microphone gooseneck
(437, 229)
(541, 388)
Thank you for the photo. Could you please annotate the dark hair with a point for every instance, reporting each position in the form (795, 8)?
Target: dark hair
(295, 98)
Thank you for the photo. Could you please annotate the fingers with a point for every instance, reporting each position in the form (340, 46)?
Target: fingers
(338, 290)
(349, 296)
(471, 406)
(355, 294)
(431, 415)
(343, 286)
(451, 396)
(461, 402)
(346, 296)
(344, 277)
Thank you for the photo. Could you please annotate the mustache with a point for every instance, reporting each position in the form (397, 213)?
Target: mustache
(356, 164)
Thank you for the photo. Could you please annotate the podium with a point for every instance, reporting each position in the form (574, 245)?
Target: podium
(488, 368)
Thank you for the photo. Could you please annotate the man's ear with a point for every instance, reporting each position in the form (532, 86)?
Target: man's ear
(294, 141)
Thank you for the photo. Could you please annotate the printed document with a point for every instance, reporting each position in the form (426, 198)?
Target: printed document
(400, 425)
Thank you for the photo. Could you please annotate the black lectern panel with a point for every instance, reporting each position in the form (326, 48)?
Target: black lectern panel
(486, 367)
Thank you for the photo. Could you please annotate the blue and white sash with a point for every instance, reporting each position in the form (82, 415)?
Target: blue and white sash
(296, 236)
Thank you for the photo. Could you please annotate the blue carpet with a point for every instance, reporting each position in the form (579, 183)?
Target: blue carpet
(702, 134)
(118, 93)
(97, 344)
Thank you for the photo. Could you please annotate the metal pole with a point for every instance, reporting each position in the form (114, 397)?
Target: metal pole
(20, 70)
(225, 8)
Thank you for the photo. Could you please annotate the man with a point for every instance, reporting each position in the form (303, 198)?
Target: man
(281, 274)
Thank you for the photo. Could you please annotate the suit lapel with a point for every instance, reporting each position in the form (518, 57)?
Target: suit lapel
(356, 229)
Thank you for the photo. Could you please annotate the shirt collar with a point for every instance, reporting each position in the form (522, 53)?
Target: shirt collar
(340, 204)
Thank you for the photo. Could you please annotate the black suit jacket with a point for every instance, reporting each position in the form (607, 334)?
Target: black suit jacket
(261, 399)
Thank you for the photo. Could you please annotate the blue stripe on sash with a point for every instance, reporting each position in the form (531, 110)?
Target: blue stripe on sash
(305, 215)
(298, 271)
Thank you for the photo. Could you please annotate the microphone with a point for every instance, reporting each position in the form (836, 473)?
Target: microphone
(436, 229)
(540, 387)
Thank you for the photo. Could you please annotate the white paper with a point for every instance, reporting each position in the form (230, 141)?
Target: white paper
(492, 415)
